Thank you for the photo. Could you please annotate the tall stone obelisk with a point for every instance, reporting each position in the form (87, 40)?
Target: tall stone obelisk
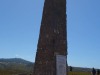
(51, 55)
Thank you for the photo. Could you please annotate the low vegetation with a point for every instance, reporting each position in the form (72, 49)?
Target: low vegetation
(17, 66)
(79, 73)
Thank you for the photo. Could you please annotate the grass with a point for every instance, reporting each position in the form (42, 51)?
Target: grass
(79, 73)
(8, 72)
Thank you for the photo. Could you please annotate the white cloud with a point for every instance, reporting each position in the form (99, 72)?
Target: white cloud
(17, 56)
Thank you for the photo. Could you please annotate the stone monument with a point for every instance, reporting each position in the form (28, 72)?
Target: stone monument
(51, 55)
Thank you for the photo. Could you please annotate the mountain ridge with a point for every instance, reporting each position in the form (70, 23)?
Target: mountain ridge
(16, 65)
(16, 60)
(20, 65)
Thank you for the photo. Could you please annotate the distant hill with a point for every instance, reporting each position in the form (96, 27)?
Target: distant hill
(15, 60)
(16, 65)
(81, 69)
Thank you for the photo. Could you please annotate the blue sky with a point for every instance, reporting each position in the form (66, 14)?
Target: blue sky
(20, 23)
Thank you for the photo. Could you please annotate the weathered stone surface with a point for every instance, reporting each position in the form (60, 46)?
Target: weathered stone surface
(52, 38)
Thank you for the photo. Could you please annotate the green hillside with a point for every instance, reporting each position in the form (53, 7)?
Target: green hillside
(18, 66)
(15, 66)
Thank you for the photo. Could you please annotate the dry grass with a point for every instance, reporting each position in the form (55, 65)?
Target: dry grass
(79, 73)
(6, 72)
